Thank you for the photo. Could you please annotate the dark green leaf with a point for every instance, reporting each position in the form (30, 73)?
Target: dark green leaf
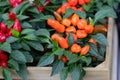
(25, 46)
(110, 2)
(27, 31)
(57, 67)
(10, 23)
(16, 45)
(64, 73)
(94, 52)
(43, 32)
(36, 45)
(18, 56)
(26, 25)
(30, 37)
(70, 39)
(15, 33)
(81, 14)
(105, 12)
(17, 9)
(33, 10)
(75, 74)
(5, 3)
(11, 39)
(46, 59)
(44, 40)
(68, 13)
(24, 8)
(58, 51)
(22, 17)
(6, 47)
(23, 71)
(101, 39)
(42, 18)
(7, 74)
(28, 56)
(13, 64)
(5, 16)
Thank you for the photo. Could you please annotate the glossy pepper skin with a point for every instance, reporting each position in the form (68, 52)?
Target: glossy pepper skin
(3, 59)
(12, 16)
(85, 50)
(17, 25)
(15, 3)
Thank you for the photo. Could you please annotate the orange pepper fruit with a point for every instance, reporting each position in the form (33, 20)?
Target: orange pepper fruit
(87, 1)
(56, 25)
(71, 29)
(85, 50)
(89, 29)
(57, 16)
(81, 2)
(92, 41)
(65, 59)
(64, 7)
(74, 19)
(81, 33)
(82, 23)
(75, 48)
(63, 42)
(73, 2)
(66, 22)
(55, 37)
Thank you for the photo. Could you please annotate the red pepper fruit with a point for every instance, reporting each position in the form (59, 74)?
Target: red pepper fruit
(19, 1)
(3, 56)
(3, 64)
(3, 28)
(8, 32)
(2, 37)
(40, 9)
(12, 16)
(17, 25)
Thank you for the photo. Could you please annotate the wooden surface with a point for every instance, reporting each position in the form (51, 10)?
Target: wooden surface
(100, 72)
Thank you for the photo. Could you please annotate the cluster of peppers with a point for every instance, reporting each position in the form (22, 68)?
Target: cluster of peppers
(74, 4)
(3, 59)
(76, 26)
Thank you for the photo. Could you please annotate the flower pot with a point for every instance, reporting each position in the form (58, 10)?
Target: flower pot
(101, 72)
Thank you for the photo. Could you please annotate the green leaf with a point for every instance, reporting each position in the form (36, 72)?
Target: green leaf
(7, 74)
(25, 8)
(64, 73)
(75, 74)
(27, 31)
(18, 56)
(42, 18)
(6, 47)
(25, 46)
(110, 2)
(68, 13)
(43, 32)
(46, 59)
(36, 45)
(70, 39)
(22, 17)
(23, 71)
(94, 52)
(105, 12)
(58, 51)
(18, 8)
(16, 46)
(44, 40)
(30, 37)
(33, 10)
(5, 16)
(13, 64)
(102, 50)
(88, 60)
(80, 13)
(11, 39)
(101, 39)
(10, 23)
(72, 58)
(2, 4)
(15, 33)
(28, 56)
(26, 25)
(57, 67)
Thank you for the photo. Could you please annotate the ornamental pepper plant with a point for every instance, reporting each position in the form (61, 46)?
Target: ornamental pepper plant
(66, 35)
